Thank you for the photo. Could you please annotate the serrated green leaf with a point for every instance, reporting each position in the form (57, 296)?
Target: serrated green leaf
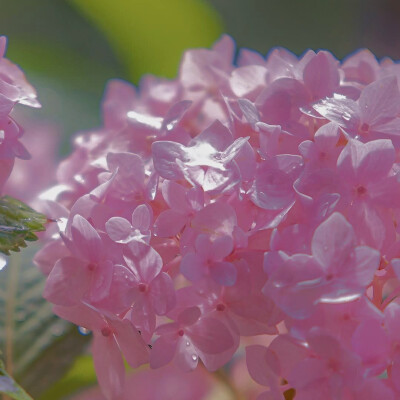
(150, 36)
(18, 224)
(9, 387)
(38, 346)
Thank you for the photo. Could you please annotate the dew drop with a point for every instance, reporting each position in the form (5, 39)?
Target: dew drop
(194, 357)
(187, 344)
(170, 126)
(83, 331)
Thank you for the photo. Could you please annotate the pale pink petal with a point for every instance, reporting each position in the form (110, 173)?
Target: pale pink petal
(371, 342)
(211, 336)
(273, 184)
(380, 101)
(67, 283)
(81, 315)
(246, 162)
(365, 262)
(118, 229)
(134, 349)
(162, 353)
(142, 217)
(46, 257)
(221, 247)
(162, 293)
(164, 155)
(6, 105)
(109, 366)
(366, 162)
(86, 239)
(374, 389)
(248, 80)
(101, 280)
(392, 321)
(193, 267)
(144, 259)
(262, 364)
(395, 375)
(216, 138)
(321, 75)
(220, 181)
(216, 218)
(344, 112)
(333, 241)
(175, 114)
(224, 273)
(307, 372)
(189, 316)
(169, 223)
(186, 355)
(175, 196)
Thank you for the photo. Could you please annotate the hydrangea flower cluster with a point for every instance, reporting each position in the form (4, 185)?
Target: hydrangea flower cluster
(260, 197)
(14, 89)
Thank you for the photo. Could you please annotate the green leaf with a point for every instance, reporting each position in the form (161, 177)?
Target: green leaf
(9, 387)
(150, 35)
(38, 346)
(18, 222)
(81, 375)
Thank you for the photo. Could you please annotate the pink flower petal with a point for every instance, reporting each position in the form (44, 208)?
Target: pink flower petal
(224, 273)
(333, 241)
(193, 267)
(67, 283)
(134, 349)
(86, 239)
(211, 336)
(162, 353)
(169, 223)
(109, 366)
(119, 229)
(380, 101)
(163, 294)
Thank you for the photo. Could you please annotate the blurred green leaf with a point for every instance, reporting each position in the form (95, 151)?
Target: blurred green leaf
(18, 222)
(9, 387)
(38, 346)
(150, 35)
(81, 375)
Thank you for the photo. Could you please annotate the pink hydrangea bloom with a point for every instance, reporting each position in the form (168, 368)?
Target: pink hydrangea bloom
(14, 88)
(251, 201)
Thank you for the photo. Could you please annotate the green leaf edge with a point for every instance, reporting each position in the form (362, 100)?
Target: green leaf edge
(19, 393)
(18, 224)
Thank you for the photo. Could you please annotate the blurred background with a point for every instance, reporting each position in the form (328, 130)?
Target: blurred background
(69, 49)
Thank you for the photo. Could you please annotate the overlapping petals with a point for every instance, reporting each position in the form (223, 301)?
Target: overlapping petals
(257, 200)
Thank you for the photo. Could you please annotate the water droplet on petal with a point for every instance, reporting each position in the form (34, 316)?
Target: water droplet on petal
(194, 357)
(188, 344)
(170, 126)
(83, 331)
